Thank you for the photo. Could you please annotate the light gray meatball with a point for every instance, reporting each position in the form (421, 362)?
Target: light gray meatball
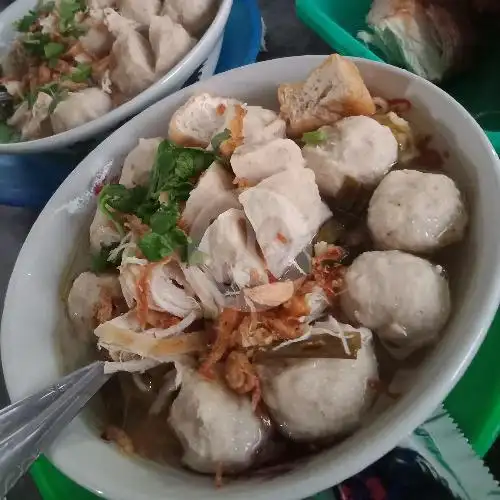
(416, 211)
(216, 427)
(320, 398)
(403, 298)
(357, 148)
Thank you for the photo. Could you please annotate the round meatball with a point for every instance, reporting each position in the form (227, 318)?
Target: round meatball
(216, 427)
(79, 108)
(416, 211)
(403, 298)
(357, 148)
(313, 399)
(90, 299)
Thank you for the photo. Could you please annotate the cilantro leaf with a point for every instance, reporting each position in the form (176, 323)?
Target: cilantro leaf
(156, 246)
(314, 138)
(67, 11)
(81, 73)
(122, 199)
(34, 43)
(174, 166)
(174, 172)
(165, 219)
(53, 50)
(24, 24)
(162, 168)
(147, 209)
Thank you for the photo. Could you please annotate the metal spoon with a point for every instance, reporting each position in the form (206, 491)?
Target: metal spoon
(5, 97)
(29, 426)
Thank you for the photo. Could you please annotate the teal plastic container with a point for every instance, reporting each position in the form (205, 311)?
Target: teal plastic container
(339, 21)
(475, 402)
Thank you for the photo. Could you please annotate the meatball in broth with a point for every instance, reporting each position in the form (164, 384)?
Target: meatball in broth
(216, 428)
(313, 399)
(356, 148)
(416, 212)
(403, 298)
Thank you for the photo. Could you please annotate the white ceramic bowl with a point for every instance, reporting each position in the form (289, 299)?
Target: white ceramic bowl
(29, 345)
(206, 52)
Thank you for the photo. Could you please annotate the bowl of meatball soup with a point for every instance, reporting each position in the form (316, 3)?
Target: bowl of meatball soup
(285, 269)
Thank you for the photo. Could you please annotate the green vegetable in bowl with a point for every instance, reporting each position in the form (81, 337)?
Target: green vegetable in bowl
(314, 138)
(102, 262)
(174, 173)
(24, 24)
(81, 73)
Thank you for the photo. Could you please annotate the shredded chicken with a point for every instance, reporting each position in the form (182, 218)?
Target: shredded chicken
(297, 306)
(227, 322)
(142, 286)
(241, 376)
(109, 307)
(251, 333)
(157, 319)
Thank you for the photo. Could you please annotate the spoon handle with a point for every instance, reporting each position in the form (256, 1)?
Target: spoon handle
(28, 427)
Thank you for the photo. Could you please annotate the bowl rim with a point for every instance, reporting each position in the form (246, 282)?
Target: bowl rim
(403, 417)
(161, 88)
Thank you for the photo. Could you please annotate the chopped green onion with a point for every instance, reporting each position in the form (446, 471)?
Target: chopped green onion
(314, 138)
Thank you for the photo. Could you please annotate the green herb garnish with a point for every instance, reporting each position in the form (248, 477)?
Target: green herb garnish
(115, 199)
(53, 50)
(219, 138)
(314, 138)
(45, 7)
(53, 89)
(34, 43)
(174, 172)
(8, 134)
(24, 24)
(81, 73)
(101, 261)
(67, 11)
